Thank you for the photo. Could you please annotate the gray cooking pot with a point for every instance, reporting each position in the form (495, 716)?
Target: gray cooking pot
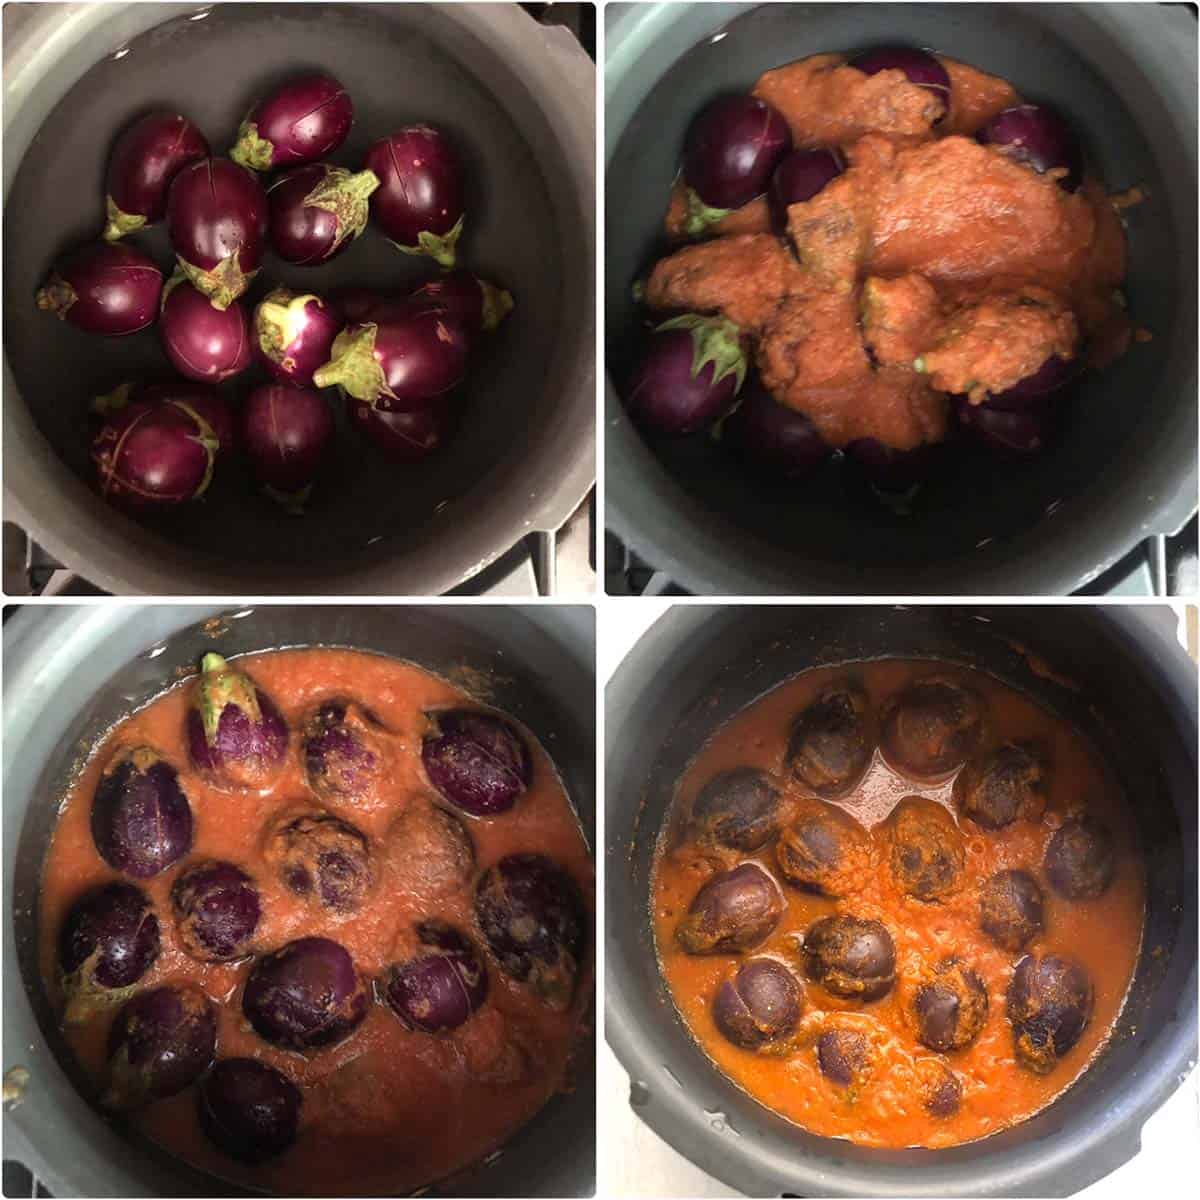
(1135, 699)
(519, 100)
(1125, 75)
(70, 672)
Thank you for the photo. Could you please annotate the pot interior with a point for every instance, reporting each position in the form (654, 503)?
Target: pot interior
(401, 64)
(497, 656)
(1068, 660)
(976, 509)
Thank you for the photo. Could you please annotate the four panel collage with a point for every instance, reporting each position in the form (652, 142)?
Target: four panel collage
(600, 599)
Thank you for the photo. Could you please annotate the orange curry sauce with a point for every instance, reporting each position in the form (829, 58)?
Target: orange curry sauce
(1104, 934)
(386, 1110)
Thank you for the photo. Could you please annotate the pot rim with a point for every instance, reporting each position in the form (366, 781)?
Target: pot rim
(1067, 1159)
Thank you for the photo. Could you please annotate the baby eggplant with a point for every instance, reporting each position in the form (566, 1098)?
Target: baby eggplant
(305, 995)
(248, 1109)
(478, 305)
(832, 740)
(286, 432)
(1039, 138)
(926, 849)
(403, 437)
(531, 915)
(919, 67)
(823, 850)
(765, 433)
(204, 343)
(420, 202)
(149, 454)
(689, 373)
(949, 1006)
(321, 858)
(108, 941)
(236, 735)
(303, 120)
(217, 222)
(1004, 785)
(931, 728)
(217, 909)
(141, 819)
(161, 1042)
(398, 361)
(730, 154)
(317, 211)
(1053, 374)
(799, 176)
(192, 398)
(108, 289)
(733, 911)
(441, 985)
(1011, 909)
(760, 1004)
(939, 1088)
(429, 852)
(293, 335)
(146, 157)
(850, 957)
(738, 809)
(346, 752)
(1008, 432)
(477, 761)
(844, 1056)
(1080, 862)
(1049, 1005)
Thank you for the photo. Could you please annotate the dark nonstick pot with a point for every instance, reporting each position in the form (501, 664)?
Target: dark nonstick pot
(1116, 673)
(1125, 76)
(71, 672)
(518, 100)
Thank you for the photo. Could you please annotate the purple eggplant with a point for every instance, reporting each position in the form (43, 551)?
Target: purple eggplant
(476, 761)
(305, 119)
(204, 402)
(480, 306)
(403, 436)
(293, 335)
(346, 753)
(109, 940)
(687, 379)
(147, 156)
(204, 343)
(799, 177)
(730, 153)
(1012, 432)
(107, 289)
(161, 1042)
(354, 303)
(420, 202)
(305, 995)
(150, 455)
(398, 361)
(769, 434)
(441, 985)
(1038, 137)
(286, 431)
(321, 858)
(217, 909)
(919, 67)
(217, 222)
(317, 211)
(141, 819)
(248, 1109)
(1053, 374)
(236, 736)
(531, 915)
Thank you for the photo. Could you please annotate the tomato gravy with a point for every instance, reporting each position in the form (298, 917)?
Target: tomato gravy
(1104, 934)
(387, 1110)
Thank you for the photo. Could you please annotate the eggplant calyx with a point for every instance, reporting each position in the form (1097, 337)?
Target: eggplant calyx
(113, 401)
(221, 685)
(354, 366)
(714, 340)
(345, 195)
(120, 223)
(497, 304)
(56, 297)
(250, 150)
(440, 249)
(85, 998)
(223, 284)
(207, 437)
(292, 502)
(700, 215)
(280, 320)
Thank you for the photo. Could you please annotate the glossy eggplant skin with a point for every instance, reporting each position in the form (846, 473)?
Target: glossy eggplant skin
(732, 911)
(217, 908)
(204, 343)
(420, 204)
(301, 121)
(112, 290)
(476, 761)
(317, 211)
(217, 223)
(146, 157)
(287, 432)
(248, 1109)
(441, 985)
(294, 334)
